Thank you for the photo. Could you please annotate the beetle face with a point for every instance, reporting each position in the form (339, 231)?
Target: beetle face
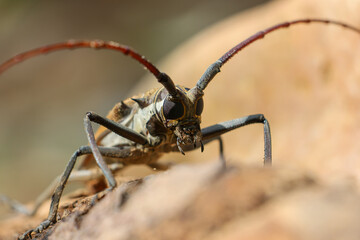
(182, 115)
(187, 128)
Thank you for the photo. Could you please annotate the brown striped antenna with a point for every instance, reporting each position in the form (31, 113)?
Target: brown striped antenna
(163, 78)
(214, 68)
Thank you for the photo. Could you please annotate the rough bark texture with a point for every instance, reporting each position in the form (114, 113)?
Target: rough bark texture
(202, 201)
(306, 82)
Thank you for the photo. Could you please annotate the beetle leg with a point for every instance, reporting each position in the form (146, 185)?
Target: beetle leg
(75, 176)
(95, 150)
(221, 148)
(117, 128)
(15, 205)
(202, 145)
(187, 148)
(221, 128)
(105, 151)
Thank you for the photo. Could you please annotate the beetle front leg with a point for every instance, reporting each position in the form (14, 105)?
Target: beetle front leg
(221, 128)
(97, 152)
(114, 127)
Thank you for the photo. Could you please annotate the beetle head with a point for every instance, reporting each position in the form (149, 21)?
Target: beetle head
(181, 113)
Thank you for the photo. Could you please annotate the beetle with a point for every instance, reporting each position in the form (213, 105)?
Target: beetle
(140, 129)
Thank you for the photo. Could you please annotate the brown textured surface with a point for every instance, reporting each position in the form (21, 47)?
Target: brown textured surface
(201, 202)
(306, 82)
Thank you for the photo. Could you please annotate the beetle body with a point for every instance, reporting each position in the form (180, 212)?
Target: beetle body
(145, 114)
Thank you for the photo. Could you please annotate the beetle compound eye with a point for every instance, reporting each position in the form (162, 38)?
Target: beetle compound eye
(199, 107)
(173, 110)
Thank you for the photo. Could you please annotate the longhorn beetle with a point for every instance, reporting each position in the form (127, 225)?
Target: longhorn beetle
(140, 129)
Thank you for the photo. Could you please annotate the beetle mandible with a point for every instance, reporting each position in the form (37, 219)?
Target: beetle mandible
(140, 129)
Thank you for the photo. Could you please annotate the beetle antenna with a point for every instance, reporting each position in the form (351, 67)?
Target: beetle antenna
(164, 79)
(214, 68)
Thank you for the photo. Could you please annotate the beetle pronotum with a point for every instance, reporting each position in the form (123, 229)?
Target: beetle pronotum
(140, 129)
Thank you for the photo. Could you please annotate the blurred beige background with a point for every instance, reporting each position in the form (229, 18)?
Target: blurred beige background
(43, 101)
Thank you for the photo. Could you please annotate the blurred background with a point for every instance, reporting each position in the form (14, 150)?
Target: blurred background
(43, 100)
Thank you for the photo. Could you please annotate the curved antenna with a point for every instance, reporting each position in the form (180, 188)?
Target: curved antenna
(163, 78)
(214, 68)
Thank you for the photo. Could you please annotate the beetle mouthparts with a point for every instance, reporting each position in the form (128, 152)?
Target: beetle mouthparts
(179, 147)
